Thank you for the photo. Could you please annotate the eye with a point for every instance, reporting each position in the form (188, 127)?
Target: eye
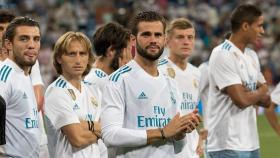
(23, 38)
(37, 39)
(158, 34)
(83, 53)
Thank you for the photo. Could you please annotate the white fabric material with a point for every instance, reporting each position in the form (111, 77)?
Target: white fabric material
(204, 87)
(99, 78)
(36, 75)
(229, 126)
(188, 83)
(22, 125)
(65, 105)
(135, 101)
(275, 95)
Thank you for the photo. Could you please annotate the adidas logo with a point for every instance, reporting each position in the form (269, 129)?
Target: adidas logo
(24, 96)
(142, 96)
(76, 107)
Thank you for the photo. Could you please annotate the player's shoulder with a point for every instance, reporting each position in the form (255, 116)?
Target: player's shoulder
(60, 82)
(6, 71)
(122, 72)
(162, 62)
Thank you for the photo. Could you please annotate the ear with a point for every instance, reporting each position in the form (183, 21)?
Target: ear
(58, 59)
(245, 26)
(8, 44)
(110, 52)
(132, 40)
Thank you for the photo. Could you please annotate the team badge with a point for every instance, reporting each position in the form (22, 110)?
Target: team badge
(94, 101)
(72, 94)
(171, 72)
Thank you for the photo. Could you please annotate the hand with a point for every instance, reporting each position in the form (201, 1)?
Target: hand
(97, 129)
(265, 101)
(192, 120)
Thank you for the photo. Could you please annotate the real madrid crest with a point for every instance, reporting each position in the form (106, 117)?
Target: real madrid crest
(72, 94)
(94, 101)
(171, 72)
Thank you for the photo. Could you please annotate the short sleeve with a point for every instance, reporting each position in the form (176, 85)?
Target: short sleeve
(58, 108)
(36, 75)
(223, 70)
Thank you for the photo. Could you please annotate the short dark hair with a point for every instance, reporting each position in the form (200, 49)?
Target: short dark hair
(19, 21)
(6, 16)
(244, 13)
(110, 34)
(146, 16)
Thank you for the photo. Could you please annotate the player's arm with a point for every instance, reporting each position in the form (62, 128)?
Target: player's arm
(79, 134)
(175, 129)
(272, 118)
(59, 111)
(244, 98)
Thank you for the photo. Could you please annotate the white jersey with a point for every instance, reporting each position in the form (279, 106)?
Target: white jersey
(188, 83)
(136, 101)
(275, 95)
(36, 75)
(22, 125)
(230, 127)
(65, 105)
(98, 77)
(204, 87)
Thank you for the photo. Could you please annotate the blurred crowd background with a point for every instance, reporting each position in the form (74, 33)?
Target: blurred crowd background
(211, 19)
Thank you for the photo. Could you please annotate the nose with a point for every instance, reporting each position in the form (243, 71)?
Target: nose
(31, 44)
(78, 59)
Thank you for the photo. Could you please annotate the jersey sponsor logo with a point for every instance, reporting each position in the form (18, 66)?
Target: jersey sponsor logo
(32, 122)
(142, 96)
(159, 118)
(76, 107)
(24, 96)
(4, 73)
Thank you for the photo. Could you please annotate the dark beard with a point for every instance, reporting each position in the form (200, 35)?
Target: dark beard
(142, 52)
(21, 63)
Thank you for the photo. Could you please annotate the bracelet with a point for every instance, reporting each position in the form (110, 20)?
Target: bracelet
(162, 134)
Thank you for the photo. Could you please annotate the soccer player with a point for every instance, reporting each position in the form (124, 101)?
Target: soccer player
(180, 43)
(112, 46)
(140, 115)
(270, 112)
(235, 86)
(22, 37)
(72, 106)
(5, 18)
